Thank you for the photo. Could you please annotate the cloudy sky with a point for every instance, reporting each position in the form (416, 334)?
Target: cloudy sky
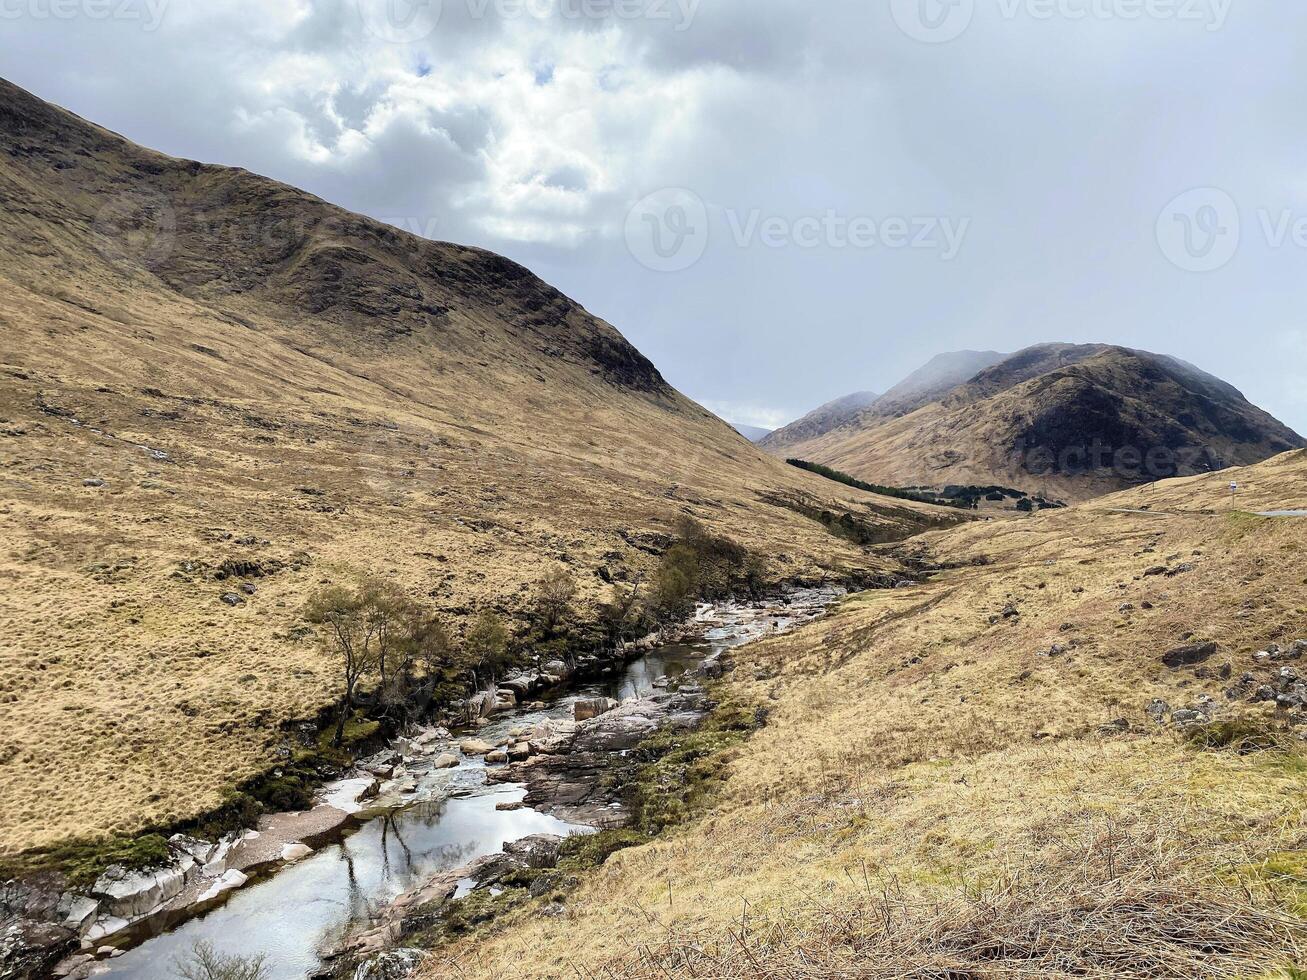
(779, 201)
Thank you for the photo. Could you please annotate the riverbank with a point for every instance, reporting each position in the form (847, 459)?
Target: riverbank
(414, 784)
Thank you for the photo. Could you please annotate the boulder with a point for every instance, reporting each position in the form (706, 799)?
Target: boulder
(229, 880)
(1189, 655)
(556, 668)
(446, 761)
(588, 708)
(133, 894)
(395, 964)
(382, 764)
(80, 913)
(481, 705)
(519, 751)
(620, 729)
(520, 686)
(536, 851)
(475, 746)
(297, 851)
(496, 758)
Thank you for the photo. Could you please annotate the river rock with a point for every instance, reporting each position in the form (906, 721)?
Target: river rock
(588, 708)
(497, 757)
(553, 736)
(396, 964)
(229, 880)
(475, 746)
(519, 751)
(295, 852)
(133, 894)
(445, 761)
(621, 728)
(382, 764)
(481, 705)
(31, 949)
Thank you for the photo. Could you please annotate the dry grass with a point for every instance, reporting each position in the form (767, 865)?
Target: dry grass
(916, 749)
(331, 400)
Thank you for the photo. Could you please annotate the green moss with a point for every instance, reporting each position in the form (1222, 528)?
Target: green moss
(584, 851)
(683, 769)
(85, 862)
(476, 908)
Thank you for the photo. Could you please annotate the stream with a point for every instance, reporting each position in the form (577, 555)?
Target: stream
(294, 911)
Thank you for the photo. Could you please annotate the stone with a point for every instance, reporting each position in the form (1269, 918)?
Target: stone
(588, 708)
(481, 705)
(347, 795)
(395, 964)
(445, 761)
(1187, 656)
(133, 894)
(519, 751)
(1011, 612)
(80, 913)
(1155, 570)
(1188, 716)
(297, 851)
(475, 746)
(229, 880)
(93, 483)
(1157, 710)
(536, 851)
(232, 599)
(496, 758)
(1181, 569)
(382, 764)
(620, 729)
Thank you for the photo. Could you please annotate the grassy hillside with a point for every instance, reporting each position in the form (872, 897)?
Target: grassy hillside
(212, 381)
(943, 789)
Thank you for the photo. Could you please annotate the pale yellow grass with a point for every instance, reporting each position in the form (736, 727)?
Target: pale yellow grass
(913, 747)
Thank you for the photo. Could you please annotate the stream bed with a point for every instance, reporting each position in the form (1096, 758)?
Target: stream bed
(293, 912)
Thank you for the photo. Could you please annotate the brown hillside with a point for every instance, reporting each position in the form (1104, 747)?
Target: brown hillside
(207, 370)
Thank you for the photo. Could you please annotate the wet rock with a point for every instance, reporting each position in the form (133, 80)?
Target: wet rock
(475, 746)
(382, 764)
(395, 964)
(496, 758)
(445, 761)
(1189, 655)
(481, 705)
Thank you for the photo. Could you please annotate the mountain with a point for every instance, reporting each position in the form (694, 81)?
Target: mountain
(940, 375)
(1064, 421)
(926, 384)
(751, 432)
(218, 393)
(829, 417)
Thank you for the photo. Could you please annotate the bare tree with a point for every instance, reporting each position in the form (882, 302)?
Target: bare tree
(350, 629)
(555, 593)
(205, 963)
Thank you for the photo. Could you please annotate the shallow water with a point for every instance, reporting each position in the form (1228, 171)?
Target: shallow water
(298, 910)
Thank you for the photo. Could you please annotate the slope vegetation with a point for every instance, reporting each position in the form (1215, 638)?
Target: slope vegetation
(1007, 771)
(218, 393)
